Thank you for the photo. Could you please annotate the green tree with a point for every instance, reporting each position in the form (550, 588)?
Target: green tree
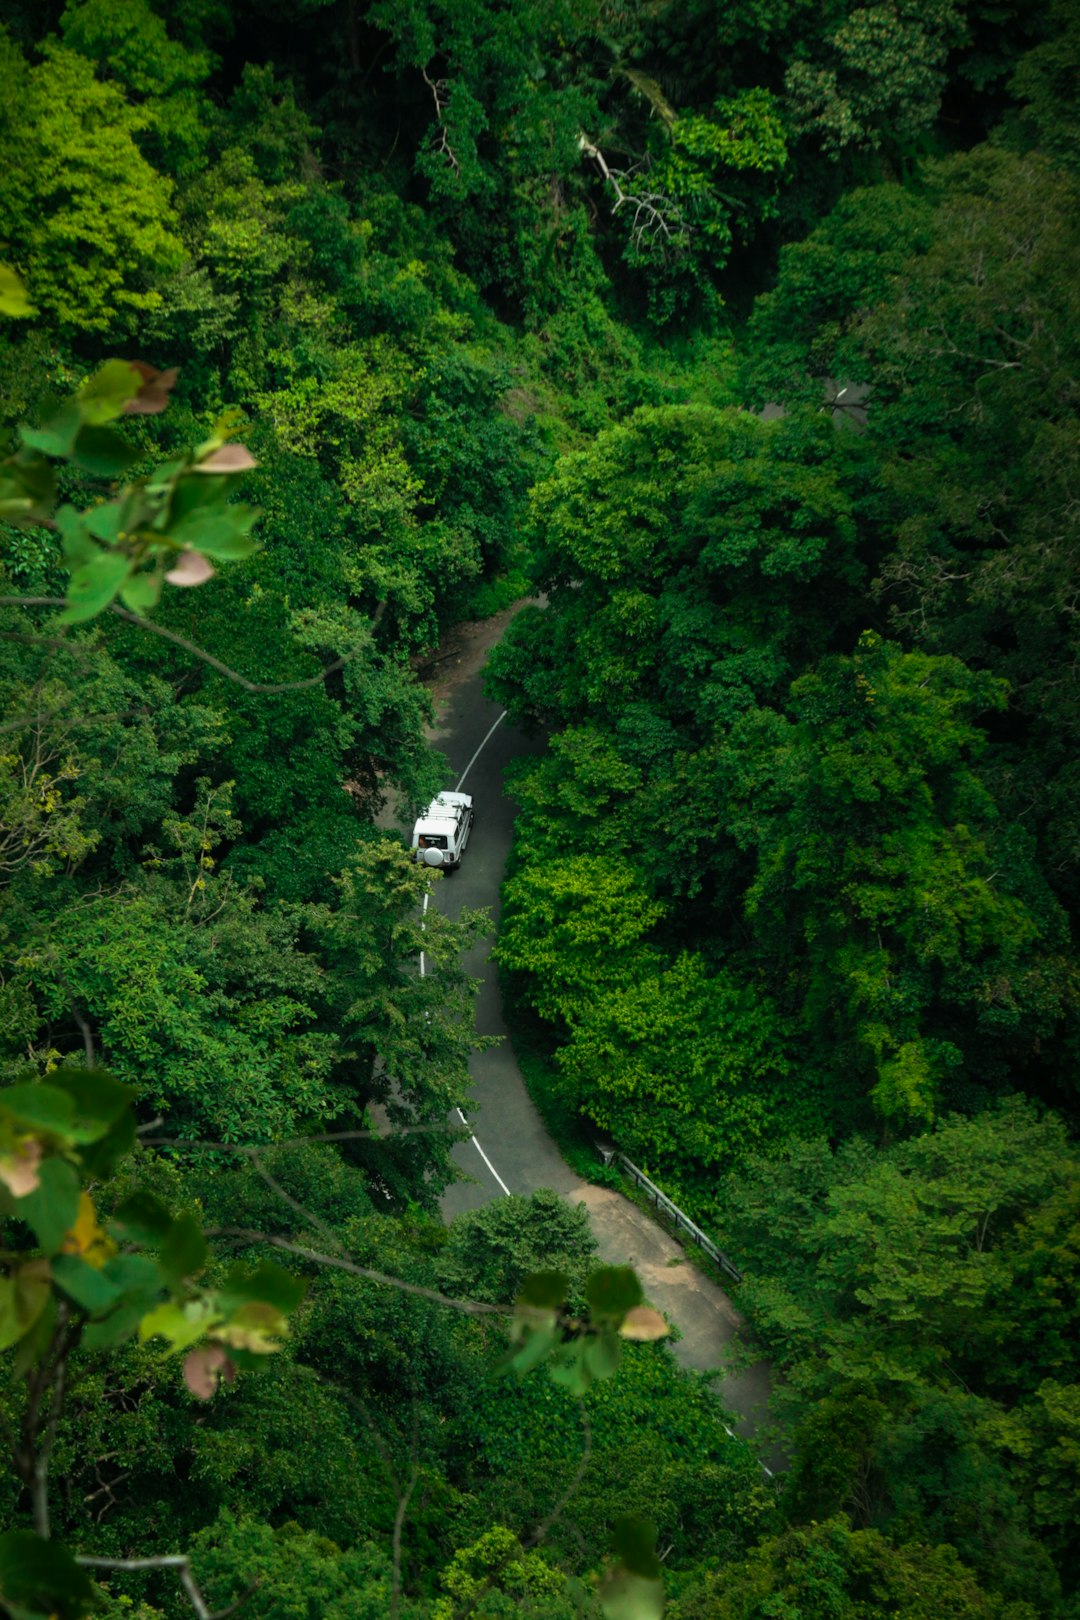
(892, 1287)
(876, 847)
(569, 925)
(845, 1574)
(86, 218)
(490, 1251)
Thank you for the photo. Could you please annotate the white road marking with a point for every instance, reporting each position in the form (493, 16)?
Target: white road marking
(483, 1155)
(423, 966)
(480, 750)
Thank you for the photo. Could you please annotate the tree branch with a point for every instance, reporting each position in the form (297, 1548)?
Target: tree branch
(182, 1564)
(399, 1520)
(200, 652)
(468, 1307)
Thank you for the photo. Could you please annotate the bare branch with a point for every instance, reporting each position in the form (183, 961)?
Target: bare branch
(656, 215)
(468, 1307)
(399, 1520)
(441, 96)
(182, 1564)
(250, 1150)
(200, 652)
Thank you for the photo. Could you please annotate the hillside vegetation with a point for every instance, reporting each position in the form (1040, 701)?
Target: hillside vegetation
(467, 301)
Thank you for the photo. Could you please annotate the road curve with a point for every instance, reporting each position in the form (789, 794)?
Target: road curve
(510, 1150)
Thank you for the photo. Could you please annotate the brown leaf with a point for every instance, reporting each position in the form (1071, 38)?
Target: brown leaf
(229, 458)
(191, 569)
(153, 396)
(205, 1368)
(642, 1322)
(19, 1170)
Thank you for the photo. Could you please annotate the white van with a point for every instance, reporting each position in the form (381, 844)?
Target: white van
(441, 833)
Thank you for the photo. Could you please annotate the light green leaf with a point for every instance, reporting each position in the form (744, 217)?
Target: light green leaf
(626, 1596)
(182, 1325)
(532, 1352)
(57, 437)
(143, 590)
(104, 521)
(103, 396)
(601, 1355)
(79, 549)
(23, 1297)
(220, 532)
(13, 299)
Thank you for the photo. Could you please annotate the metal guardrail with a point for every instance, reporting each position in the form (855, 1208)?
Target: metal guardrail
(682, 1222)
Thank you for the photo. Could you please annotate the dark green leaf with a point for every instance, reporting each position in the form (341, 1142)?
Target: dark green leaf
(27, 487)
(51, 1209)
(612, 1291)
(114, 1328)
(633, 1541)
(144, 1217)
(98, 1100)
(40, 1107)
(100, 1158)
(183, 1250)
(102, 451)
(545, 1290)
(91, 1289)
(191, 494)
(221, 532)
(134, 1274)
(41, 1578)
(267, 1284)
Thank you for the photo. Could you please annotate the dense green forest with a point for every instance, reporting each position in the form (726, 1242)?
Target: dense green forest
(435, 305)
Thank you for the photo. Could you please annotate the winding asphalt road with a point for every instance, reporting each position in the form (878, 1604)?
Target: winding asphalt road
(510, 1151)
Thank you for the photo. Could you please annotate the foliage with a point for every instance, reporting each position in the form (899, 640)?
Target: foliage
(165, 526)
(772, 880)
(893, 1286)
(492, 1250)
(86, 218)
(850, 1574)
